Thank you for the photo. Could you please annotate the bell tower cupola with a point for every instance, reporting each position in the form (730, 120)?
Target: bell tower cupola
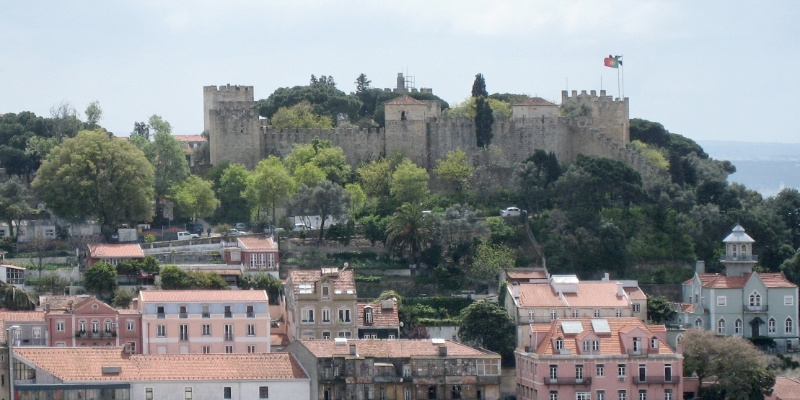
(738, 259)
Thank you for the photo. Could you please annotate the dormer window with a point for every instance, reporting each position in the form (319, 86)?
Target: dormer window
(654, 343)
(755, 299)
(637, 344)
(368, 315)
(559, 343)
(595, 345)
(326, 293)
(585, 345)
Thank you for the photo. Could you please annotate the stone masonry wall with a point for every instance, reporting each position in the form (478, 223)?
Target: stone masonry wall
(359, 145)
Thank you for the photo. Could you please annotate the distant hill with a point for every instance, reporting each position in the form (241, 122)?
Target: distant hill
(765, 167)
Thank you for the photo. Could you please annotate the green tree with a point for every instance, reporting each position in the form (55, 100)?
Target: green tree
(100, 279)
(122, 298)
(409, 183)
(791, 268)
(15, 299)
(454, 168)
(468, 108)
(320, 153)
(300, 115)
(263, 282)
(486, 324)
(231, 190)
(659, 310)
(195, 197)
(173, 278)
(325, 199)
(735, 365)
(376, 177)
(651, 154)
(484, 116)
(357, 196)
(375, 228)
(321, 93)
(15, 199)
(96, 176)
(51, 284)
(269, 184)
(490, 260)
(787, 205)
(408, 231)
(308, 174)
(168, 158)
(93, 115)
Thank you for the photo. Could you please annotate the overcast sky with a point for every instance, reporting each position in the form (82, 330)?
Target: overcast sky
(724, 70)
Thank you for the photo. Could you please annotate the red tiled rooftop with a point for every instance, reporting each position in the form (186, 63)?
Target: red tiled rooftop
(380, 316)
(258, 243)
(189, 138)
(126, 250)
(610, 343)
(589, 294)
(405, 100)
(635, 293)
(522, 274)
(717, 281)
(536, 101)
(342, 280)
(85, 364)
(177, 296)
(400, 348)
(786, 389)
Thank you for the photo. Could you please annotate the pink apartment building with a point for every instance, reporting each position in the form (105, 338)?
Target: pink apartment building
(598, 359)
(84, 321)
(204, 321)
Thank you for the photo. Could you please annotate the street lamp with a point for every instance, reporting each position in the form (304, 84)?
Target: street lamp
(10, 340)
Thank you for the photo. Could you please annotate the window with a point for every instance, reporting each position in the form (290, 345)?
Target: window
(251, 312)
(344, 334)
(595, 345)
(755, 299)
(368, 315)
(61, 344)
(308, 315)
(579, 372)
(228, 349)
(698, 323)
(789, 327)
(37, 332)
(643, 395)
(637, 308)
(206, 312)
(618, 313)
(161, 330)
(721, 326)
(530, 315)
(553, 395)
(228, 332)
(95, 326)
(206, 349)
(552, 315)
(326, 293)
(554, 372)
(251, 330)
(263, 392)
(160, 312)
(642, 372)
(771, 325)
(130, 325)
(722, 300)
(596, 313)
(226, 392)
(621, 370)
(206, 330)
(601, 395)
(654, 342)
(184, 332)
(622, 395)
(344, 315)
(455, 392)
(601, 370)
(668, 394)
(637, 345)
(148, 393)
(788, 300)
(559, 343)
(228, 312)
(271, 258)
(326, 335)
(667, 372)
(585, 345)
(574, 313)
(187, 393)
(251, 349)
(326, 315)
(583, 396)
(182, 312)
(737, 326)
(59, 326)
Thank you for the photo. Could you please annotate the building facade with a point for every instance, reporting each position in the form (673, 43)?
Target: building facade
(379, 320)
(92, 373)
(321, 304)
(598, 358)
(398, 369)
(113, 253)
(565, 296)
(254, 254)
(740, 301)
(204, 321)
(85, 321)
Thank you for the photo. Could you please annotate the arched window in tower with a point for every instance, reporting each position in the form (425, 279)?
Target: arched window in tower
(733, 251)
(755, 299)
(744, 250)
(698, 323)
(402, 116)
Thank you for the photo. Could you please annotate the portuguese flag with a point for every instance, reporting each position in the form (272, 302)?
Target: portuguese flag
(612, 61)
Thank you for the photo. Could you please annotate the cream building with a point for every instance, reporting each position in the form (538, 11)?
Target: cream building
(321, 304)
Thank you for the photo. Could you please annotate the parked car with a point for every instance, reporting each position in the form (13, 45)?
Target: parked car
(240, 226)
(195, 228)
(186, 235)
(510, 212)
(234, 232)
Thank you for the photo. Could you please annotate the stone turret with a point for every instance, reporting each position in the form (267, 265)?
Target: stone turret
(738, 258)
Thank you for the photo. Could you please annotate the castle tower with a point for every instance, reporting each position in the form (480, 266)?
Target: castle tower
(609, 115)
(738, 259)
(232, 123)
(406, 128)
(213, 95)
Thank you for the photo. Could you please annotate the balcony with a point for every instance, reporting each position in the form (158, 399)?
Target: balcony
(756, 309)
(228, 337)
(228, 314)
(161, 315)
(206, 315)
(726, 257)
(251, 314)
(587, 381)
(184, 338)
(183, 315)
(659, 379)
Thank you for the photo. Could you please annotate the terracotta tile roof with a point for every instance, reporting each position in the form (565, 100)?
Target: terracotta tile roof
(189, 138)
(380, 316)
(257, 243)
(717, 281)
(522, 274)
(60, 303)
(536, 101)
(342, 279)
(775, 279)
(589, 294)
(12, 317)
(399, 348)
(610, 343)
(85, 364)
(786, 389)
(127, 250)
(180, 296)
(405, 100)
(635, 293)
(11, 266)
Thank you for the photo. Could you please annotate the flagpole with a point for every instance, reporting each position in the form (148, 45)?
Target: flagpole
(619, 91)
(622, 67)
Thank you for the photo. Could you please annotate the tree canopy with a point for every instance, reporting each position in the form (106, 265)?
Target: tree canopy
(100, 279)
(486, 324)
(409, 182)
(324, 199)
(195, 197)
(269, 184)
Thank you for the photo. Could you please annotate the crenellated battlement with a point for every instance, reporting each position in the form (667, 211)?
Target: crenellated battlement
(321, 131)
(227, 88)
(590, 97)
(234, 105)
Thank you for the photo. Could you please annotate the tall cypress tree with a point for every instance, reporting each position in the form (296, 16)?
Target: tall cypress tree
(483, 112)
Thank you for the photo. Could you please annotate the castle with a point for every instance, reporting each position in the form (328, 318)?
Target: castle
(419, 130)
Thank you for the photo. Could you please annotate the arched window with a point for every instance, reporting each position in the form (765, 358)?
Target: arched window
(789, 326)
(368, 315)
(559, 343)
(755, 299)
(95, 326)
(744, 250)
(733, 250)
(679, 339)
(721, 326)
(737, 326)
(108, 325)
(82, 325)
(654, 342)
(698, 323)
(402, 116)
(771, 326)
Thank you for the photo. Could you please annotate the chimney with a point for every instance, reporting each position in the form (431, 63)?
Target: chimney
(606, 277)
(620, 291)
(515, 290)
(353, 349)
(442, 350)
(700, 267)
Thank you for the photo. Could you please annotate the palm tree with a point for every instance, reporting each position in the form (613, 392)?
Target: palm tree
(14, 298)
(409, 230)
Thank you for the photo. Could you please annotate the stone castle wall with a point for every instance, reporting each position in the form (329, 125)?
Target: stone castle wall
(359, 145)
